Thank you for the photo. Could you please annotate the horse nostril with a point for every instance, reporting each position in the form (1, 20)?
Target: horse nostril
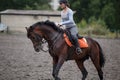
(36, 48)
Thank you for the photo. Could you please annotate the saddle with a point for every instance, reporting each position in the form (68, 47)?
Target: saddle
(68, 39)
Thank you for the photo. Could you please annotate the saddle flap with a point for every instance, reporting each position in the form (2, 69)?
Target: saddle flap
(82, 41)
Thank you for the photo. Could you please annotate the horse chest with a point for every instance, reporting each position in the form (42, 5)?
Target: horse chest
(55, 50)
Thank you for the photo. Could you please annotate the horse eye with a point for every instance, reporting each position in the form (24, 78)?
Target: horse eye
(33, 38)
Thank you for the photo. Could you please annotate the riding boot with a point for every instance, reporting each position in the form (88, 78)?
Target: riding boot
(78, 49)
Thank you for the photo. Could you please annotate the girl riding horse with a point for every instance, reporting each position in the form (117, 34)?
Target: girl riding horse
(67, 20)
(60, 50)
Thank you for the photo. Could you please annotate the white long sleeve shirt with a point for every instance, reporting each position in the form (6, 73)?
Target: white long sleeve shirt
(67, 18)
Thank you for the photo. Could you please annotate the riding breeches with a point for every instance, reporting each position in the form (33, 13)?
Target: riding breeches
(73, 30)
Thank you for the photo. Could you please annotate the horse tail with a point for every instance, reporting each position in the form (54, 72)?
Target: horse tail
(102, 58)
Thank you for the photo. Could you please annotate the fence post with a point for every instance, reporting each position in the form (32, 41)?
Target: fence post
(89, 31)
(117, 33)
(7, 29)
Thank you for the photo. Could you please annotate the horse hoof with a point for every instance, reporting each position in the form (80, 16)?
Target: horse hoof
(57, 78)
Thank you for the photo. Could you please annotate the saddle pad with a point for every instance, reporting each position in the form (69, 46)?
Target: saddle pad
(82, 41)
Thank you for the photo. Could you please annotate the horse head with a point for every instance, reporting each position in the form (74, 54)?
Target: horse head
(35, 37)
(47, 30)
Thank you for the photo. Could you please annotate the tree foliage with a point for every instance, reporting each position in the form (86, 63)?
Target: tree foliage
(24, 4)
(106, 10)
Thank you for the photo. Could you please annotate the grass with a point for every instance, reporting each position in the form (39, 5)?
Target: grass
(97, 33)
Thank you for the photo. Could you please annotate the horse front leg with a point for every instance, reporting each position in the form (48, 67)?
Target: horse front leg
(56, 68)
(55, 61)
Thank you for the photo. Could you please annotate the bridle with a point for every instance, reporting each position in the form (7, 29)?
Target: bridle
(43, 41)
(40, 40)
(54, 39)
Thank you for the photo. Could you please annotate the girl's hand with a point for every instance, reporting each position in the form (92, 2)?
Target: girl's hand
(62, 27)
(59, 25)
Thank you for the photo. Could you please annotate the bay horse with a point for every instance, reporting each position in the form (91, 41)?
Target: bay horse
(60, 51)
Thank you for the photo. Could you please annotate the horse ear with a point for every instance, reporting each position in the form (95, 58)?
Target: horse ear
(26, 28)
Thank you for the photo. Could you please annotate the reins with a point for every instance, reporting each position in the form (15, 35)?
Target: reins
(55, 40)
(43, 41)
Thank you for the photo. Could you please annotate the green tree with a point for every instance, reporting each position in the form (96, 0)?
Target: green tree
(24, 4)
(117, 14)
(81, 8)
(106, 10)
(108, 15)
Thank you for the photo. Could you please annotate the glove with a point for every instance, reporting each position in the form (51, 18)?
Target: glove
(63, 27)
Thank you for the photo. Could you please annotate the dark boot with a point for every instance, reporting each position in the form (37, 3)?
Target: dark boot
(78, 49)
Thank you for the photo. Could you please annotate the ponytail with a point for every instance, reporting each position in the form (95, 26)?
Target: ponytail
(67, 4)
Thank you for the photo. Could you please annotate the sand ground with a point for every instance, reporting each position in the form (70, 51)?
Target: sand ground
(19, 61)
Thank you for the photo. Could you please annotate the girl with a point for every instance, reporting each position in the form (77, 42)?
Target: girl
(67, 20)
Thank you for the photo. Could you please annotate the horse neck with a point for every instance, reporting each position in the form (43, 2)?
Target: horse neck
(50, 35)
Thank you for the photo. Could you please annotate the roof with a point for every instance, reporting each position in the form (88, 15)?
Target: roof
(30, 12)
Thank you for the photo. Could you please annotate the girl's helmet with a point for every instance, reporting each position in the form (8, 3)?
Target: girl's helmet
(63, 1)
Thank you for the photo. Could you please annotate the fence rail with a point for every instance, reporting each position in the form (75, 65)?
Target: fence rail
(111, 34)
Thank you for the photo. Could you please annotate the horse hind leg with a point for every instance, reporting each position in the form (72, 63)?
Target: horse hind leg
(82, 68)
(96, 63)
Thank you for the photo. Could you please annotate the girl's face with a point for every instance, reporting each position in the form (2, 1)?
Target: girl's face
(62, 5)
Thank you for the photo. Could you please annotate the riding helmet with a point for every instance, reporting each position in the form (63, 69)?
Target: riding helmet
(63, 1)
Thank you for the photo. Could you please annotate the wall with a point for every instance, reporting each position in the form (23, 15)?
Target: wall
(19, 22)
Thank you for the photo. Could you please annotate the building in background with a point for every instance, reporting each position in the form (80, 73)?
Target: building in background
(17, 20)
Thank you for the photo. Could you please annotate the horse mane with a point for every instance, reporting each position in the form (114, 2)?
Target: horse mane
(48, 23)
(53, 25)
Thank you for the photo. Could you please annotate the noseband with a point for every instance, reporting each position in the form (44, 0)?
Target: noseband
(41, 41)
